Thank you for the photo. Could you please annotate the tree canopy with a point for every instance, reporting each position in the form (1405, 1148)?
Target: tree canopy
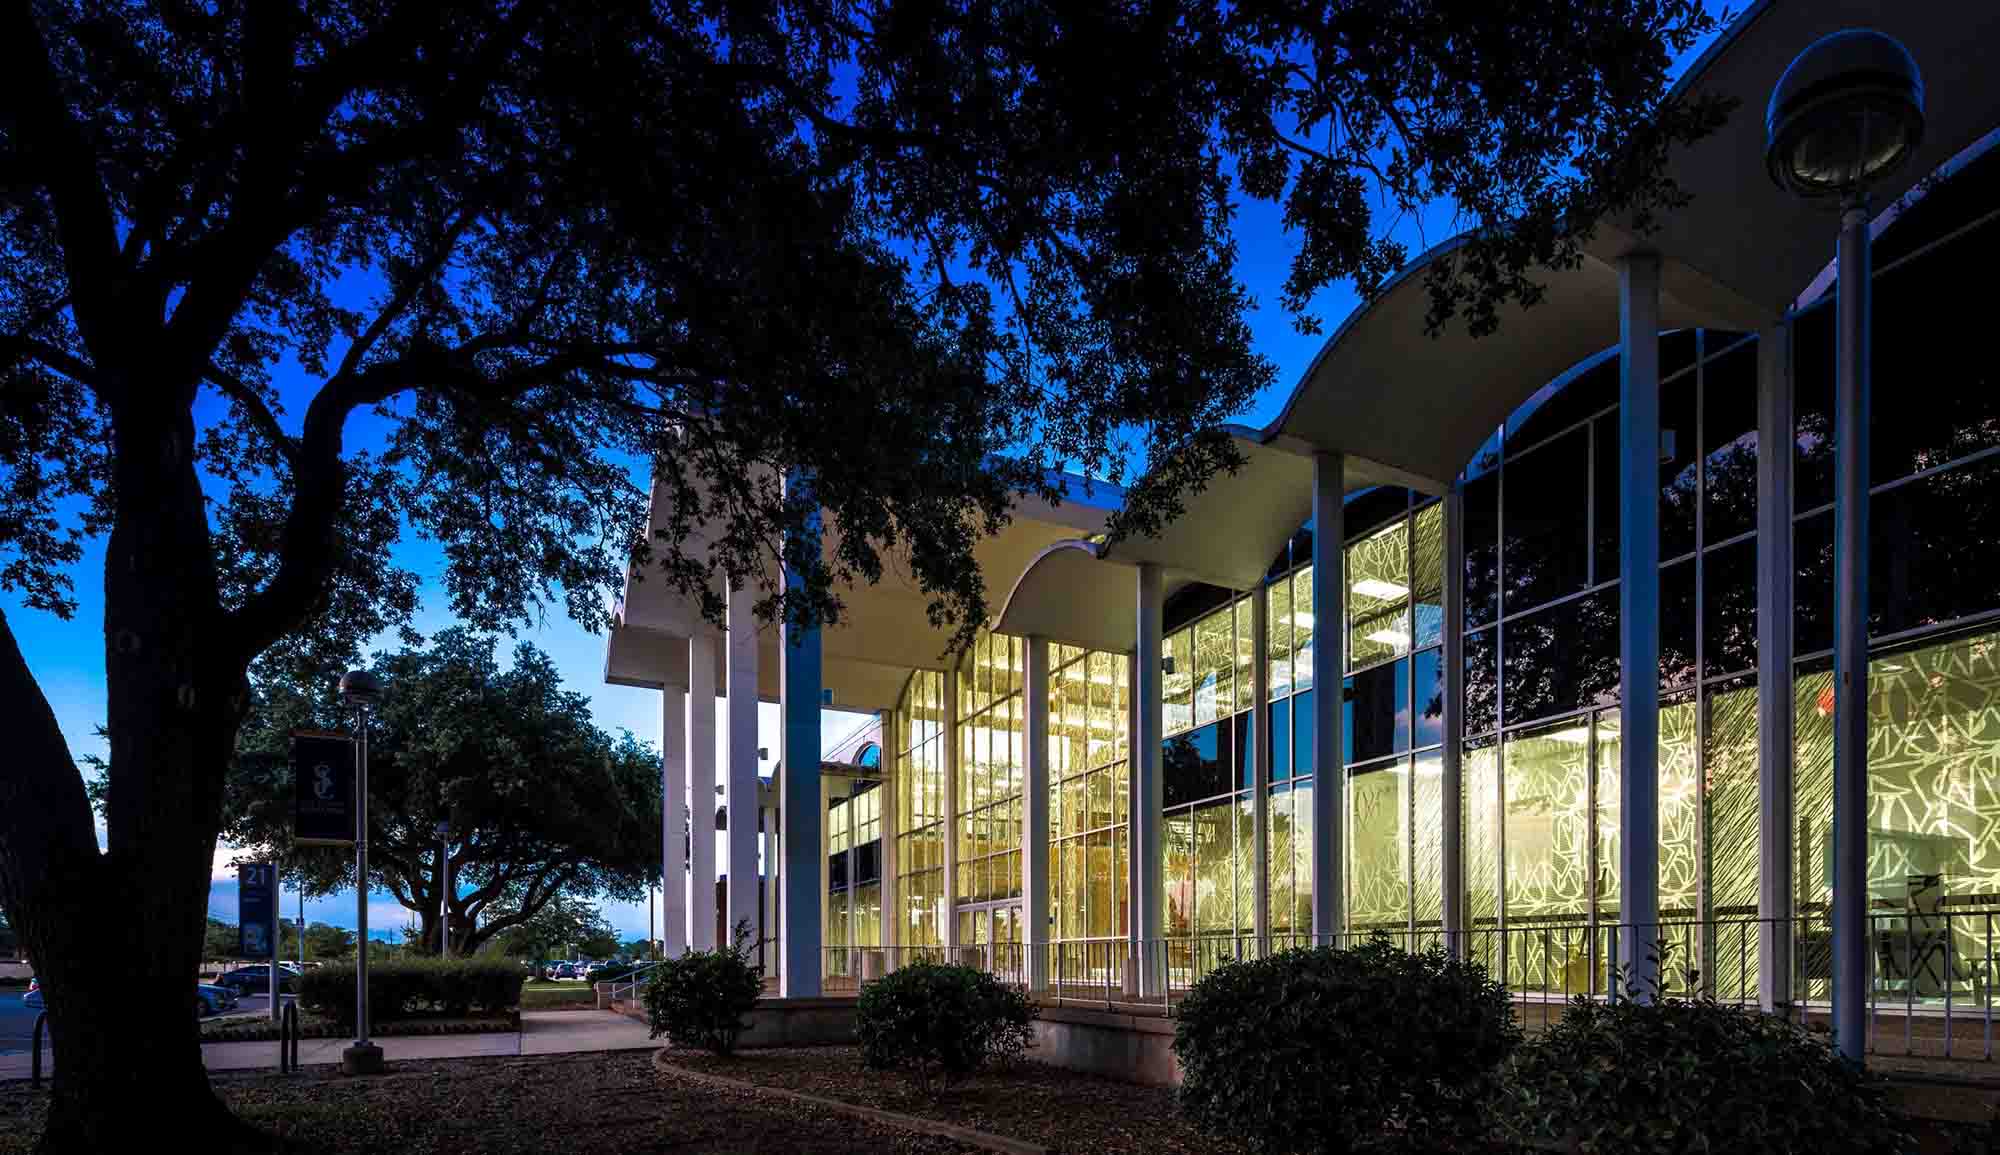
(541, 803)
(562, 925)
(288, 282)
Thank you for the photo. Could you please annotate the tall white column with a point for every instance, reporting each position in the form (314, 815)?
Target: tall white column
(701, 767)
(892, 825)
(1035, 815)
(1639, 621)
(799, 800)
(948, 933)
(1148, 786)
(1329, 663)
(1851, 930)
(1260, 763)
(673, 821)
(768, 839)
(1451, 777)
(1774, 667)
(741, 732)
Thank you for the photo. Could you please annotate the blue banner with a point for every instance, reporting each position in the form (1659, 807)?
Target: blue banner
(322, 789)
(257, 910)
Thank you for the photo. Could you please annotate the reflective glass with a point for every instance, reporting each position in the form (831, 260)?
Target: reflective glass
(1177, 685)
(1680, 470)
(1546, 523)
(1302, 735)
(1196, 764)
(1482, 549)
(1427, 698)
(1677, 623)
(1563, 657)
(1213, 830)
(1933, 542)
(1279, 618)
(1729, 608)
(1377, 712)
(1604, 479)
(1729, 442)
(1482, 681)
(1214, 667)
(1427, 575)
(1302, 629)
(1279, 741)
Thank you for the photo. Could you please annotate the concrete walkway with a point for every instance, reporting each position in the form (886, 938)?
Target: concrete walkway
(541, 1033)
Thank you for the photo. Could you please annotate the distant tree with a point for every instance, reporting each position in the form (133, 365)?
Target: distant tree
(601, 945)
(553, 931)
(541, 802)
(10, 943)
(324, 943)
(919, 253)
(635, 948)
(220, 940)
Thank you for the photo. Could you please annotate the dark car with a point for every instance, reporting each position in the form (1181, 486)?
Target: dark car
(254, 980)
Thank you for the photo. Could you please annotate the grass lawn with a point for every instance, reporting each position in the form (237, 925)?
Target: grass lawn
(603, 1102)
(542, 995)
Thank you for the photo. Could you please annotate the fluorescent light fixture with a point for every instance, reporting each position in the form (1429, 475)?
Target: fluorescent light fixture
(1390, 637)
(1377, 588)
(1575, 735)
(1303, 621)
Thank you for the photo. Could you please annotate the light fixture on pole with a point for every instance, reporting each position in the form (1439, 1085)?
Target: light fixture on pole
(444, 889)
(1848, 112)
(361, 690)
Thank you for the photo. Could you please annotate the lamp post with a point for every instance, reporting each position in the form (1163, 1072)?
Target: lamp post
(361, 690)
(1848, 111)
(444, 889)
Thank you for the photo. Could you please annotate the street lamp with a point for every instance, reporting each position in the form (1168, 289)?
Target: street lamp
(1848, 112)
(444, 889)
(361, 690)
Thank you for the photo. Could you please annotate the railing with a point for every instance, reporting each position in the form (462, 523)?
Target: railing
(632, 981)
(1932, 977)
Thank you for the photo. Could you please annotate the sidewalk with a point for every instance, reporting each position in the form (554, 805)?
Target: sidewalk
(541, 1033)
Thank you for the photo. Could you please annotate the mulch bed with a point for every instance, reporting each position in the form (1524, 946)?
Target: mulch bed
(613, 1101)
(1061, 1110)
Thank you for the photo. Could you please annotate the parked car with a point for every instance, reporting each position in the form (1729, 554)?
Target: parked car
(565, 971)
(256, 979)
(33, 999)
(210, 999)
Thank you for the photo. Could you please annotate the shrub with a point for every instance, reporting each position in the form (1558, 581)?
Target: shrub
(700, 998)
(1690, 1075)
(1325, 1049)
(934, 1019)
(413, 988)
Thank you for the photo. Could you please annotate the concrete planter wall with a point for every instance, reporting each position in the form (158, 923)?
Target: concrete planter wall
(1134, 1048)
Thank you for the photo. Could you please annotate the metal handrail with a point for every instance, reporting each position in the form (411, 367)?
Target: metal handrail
(631, 980)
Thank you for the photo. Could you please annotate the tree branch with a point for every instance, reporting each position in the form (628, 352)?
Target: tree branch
(51, 143)
(260, 414)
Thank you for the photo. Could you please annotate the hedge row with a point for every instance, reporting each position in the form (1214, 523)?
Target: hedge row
(264, 1031)
(416, 988)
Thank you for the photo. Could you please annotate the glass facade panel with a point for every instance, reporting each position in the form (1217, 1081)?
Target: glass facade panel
(1278, 617)
(1378, 595)
(1378, 845)
(1427, 575)
(1546, 551)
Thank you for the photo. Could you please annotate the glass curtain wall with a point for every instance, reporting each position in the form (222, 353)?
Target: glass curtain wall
(991, 767)
(1208, 845)
(919, 739)
(1933, 687)
(1089, 799)
(1393, 717)
(854, 872)
(1289, 745)
(1542, 677)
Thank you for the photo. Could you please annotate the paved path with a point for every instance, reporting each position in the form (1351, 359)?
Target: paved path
(541, 1033)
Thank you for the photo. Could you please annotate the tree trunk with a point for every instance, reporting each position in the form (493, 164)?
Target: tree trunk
(116, 937)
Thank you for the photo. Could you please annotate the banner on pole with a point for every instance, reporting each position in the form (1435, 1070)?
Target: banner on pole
(256, 909)
(322, 789)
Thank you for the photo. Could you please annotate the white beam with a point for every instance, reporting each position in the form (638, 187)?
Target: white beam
(701, 767)
(1035, 815)
(1329, 562)
(673, 821)
(741, 733)
(1148, 796)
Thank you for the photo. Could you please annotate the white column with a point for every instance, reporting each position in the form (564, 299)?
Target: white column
(1774, 667)
(701, 767)
(1260, 763)
(948, 933)
(1851, 930)
(1329, 562)
(1639, 621)
(1035, 816)
(768, 838)
(892, 825)
(673, 821)
(1148, 787)
(1451, 776)
(741, 861)
(799, 802)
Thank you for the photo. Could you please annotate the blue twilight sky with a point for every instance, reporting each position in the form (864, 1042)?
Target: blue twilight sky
(67, 656)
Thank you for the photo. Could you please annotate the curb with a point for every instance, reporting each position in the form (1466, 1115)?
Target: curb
(984, 1140)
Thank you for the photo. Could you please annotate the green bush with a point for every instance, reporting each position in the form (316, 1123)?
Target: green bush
(1329, 1050)
(700, 998)
(414, 988)
(934, 1019)
(1680, 1075)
